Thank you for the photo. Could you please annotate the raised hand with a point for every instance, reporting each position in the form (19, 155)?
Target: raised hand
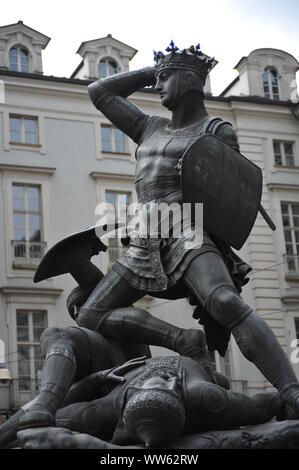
(116, 374)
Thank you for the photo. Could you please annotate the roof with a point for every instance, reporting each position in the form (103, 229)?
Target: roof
(20, 22)
(79, 67)
(265, 50)
(78, 81)
(235, 80)
(49, 78)
(121, 44)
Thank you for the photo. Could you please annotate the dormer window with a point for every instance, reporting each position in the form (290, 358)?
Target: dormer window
(19, 59)
(107, 67)
(270, 83)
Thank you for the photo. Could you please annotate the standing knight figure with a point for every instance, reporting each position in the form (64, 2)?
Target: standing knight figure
(212, 274)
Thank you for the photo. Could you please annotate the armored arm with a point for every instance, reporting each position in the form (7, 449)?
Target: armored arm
(109, 95)
(228, 135)
(100, 383)
(86, 389)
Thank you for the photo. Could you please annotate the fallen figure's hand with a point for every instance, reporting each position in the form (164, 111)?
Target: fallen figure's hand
(45, 438)
(57, 438)
(95, 385)
(117, 373)
(61, 438)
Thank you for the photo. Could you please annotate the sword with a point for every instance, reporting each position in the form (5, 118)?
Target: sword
(267, 218)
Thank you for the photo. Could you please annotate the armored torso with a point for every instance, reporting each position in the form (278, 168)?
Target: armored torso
(157, 264)
(158, 152)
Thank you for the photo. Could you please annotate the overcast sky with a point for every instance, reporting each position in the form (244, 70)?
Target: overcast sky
(226, 29)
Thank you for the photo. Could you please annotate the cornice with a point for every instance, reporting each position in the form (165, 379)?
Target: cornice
(98, 174)
(10, 290)
(27, 169)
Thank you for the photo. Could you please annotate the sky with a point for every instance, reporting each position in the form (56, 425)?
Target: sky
(225, 29)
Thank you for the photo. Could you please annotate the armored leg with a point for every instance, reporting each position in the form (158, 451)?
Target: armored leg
(58, 373)
(97, 417)
(217, 408)
(107, 311)
(71, 354)
(260, 346)
(209, 280)
(9, 429)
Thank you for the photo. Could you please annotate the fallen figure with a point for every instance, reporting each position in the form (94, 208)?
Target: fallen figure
(158, 401)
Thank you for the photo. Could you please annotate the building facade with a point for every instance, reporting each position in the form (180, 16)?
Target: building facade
(59, 158)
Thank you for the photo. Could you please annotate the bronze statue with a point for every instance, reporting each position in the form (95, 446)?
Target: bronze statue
(211, 275)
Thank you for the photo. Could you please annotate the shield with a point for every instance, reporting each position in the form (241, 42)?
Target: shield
(53, 263)
(228, 185)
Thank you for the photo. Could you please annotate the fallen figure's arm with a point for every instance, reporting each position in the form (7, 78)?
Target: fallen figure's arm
(100, 383)
(272, 435)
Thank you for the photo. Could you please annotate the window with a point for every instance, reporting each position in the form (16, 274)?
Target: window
(270, 83)
(296, 320)
(115, 247)
(23, 130)
(113, 140)
(28, 247)
(290, 220)
(19, 59)
(30, 326)
(283, 153)
(107, 67)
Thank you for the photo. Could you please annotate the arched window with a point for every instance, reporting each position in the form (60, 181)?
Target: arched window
(270, 83)
(19, 59)
(107, 67)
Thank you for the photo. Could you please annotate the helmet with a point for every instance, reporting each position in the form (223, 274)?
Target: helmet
(154, 416)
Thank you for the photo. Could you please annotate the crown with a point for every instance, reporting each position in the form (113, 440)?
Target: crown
(186, 59)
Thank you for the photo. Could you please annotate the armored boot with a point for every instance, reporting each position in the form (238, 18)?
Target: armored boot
(136, 325)
(9, 429)
(58, 373)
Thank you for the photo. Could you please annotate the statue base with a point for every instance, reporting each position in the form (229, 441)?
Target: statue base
(272, 435)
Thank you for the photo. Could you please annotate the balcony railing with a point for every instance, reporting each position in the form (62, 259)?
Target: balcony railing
(239, 386)
(291, 265)
(27, 254)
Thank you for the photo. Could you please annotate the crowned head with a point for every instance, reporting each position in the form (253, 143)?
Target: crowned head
(188, 68)
(191, 59)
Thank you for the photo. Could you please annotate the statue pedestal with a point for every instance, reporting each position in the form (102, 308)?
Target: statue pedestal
(272, 435)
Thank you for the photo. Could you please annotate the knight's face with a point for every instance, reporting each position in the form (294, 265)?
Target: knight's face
(167, 85)
(173, 84)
